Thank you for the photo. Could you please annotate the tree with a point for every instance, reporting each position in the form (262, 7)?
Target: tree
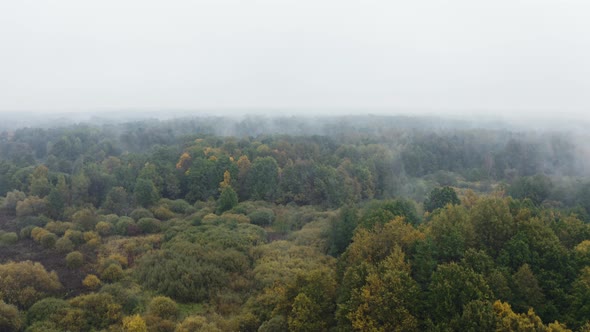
(117, 201)
(134, 324)
(440, 197)
(227, 200)
(387, 302)
(452, 232)
(38, 182)
(145, 192)
(10, 318)
(263, 178)
(24, 283)
(452, 287)
(342, 229)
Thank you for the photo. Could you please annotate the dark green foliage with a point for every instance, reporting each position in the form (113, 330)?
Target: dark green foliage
(262, 217)
(180, 276)
(46, 309)
(145, 193)
(263, 178)
(141, 213)
(227, 200)
(342, 229)
(117, 201)
(74, 260)
(440, 197)
(149, 225)
(453, 287)
(536, 188)
(382, 212)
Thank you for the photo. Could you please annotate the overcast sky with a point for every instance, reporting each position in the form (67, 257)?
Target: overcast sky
(505, 56)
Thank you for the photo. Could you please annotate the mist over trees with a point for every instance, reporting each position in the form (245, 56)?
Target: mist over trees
(352, 223)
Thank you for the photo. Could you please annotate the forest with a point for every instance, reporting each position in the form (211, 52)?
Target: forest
(348, 223)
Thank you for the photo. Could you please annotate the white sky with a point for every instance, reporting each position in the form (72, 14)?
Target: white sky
(504, 56)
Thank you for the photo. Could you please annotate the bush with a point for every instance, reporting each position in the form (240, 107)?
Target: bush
(149, 225)
(74, 260)
(58, 228)
(141, 213)
(177, 206)
(37, 233)
(163, 307)
(163, 213)
(24, 283)
(98, 310)
(75, 236)
(112, 273)
(64, 245)
(25, 233)
(45, 308)
(85, 218)
(91, 282)
(48, 240)
(123, 225)
(10, 319)
(134, 324)
(39, 221)
(8, 238)
(262, 217)
(103, 228)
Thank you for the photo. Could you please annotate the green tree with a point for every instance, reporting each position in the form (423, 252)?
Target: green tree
(440, 197)
(227, 200)
(263, 178)
(342, 229)
(145, 193)
(453, 287)
(117, 201)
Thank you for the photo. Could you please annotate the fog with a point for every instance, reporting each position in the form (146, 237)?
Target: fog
(517, 59)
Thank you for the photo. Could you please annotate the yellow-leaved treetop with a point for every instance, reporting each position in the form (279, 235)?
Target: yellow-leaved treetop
(134, 324)
(184, 161)
(226, 181)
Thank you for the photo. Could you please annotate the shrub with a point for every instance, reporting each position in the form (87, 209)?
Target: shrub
(178, 205)
(48, 240)
(91, 282)
(58, 228)
(8, 238)
(141, 213)
(85, 218)
(64, 245)
(262, 217)
(10, 319)
(149, 225)
(74, 260)
(45, 309)
(163, 307)
(103, 228)
(31, 206)
(25, 233)
(123, 225)
(163, 213)
(98, 310)
(112, 273)
(198, 323)
(24, 283)
(134, 324)
(37, 233)
(75, 236)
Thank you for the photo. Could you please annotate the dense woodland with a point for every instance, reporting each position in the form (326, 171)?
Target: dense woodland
(293, 224)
